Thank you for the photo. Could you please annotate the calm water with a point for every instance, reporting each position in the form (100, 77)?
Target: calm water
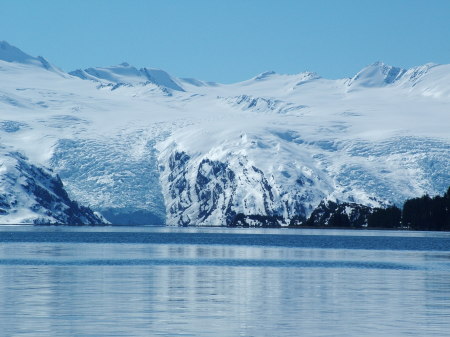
(125, 281)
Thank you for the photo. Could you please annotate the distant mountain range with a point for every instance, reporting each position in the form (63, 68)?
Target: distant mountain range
(139, 146)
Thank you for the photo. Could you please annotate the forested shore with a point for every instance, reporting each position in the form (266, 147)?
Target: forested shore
(424, 213)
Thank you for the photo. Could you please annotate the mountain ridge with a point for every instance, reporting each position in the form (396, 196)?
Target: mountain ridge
(132, 145)
(389, 74)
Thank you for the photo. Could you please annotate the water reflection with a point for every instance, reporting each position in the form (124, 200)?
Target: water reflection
(173, 298)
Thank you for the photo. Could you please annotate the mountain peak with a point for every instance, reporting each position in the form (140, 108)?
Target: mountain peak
(10, 53)
(308, 75)
(124, 73)
(162, 78)
(377, 74)
(378, 64)
(264, 75)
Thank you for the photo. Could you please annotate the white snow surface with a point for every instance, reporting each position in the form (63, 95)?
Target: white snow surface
(126, 75)
(146, 146)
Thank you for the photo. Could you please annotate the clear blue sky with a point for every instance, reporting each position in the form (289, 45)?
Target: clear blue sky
(229, 41)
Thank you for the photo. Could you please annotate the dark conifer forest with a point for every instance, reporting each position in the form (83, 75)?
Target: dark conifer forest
(424, 213)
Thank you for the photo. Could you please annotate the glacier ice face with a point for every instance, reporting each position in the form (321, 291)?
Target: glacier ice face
(144, 147)
(124, 187)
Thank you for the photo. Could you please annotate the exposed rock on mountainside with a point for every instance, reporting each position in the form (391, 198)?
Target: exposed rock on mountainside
(144, 147)
(31, 194)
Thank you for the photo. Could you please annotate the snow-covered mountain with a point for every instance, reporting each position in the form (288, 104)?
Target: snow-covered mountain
(31, 194)
(124, 74)
(144, 147)
(13, 54)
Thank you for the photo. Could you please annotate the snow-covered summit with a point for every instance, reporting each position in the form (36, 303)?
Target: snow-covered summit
(128, 75)
(301, 77)
(11, 54)
(376, 75)
(122, 73)
(265, 75)
(197, 83)
(415, 74)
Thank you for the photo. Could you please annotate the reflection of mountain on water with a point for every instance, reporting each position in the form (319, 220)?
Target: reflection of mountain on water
(143, 289)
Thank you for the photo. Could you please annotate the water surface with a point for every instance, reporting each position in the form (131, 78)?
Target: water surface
(144, 281)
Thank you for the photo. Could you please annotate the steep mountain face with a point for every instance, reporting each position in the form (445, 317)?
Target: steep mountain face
(34, 195)
(143, 147)
(376, 75)
(229, 180)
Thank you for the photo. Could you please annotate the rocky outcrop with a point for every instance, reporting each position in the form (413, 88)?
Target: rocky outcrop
(206, 192)
(338, 214)
(35, 195)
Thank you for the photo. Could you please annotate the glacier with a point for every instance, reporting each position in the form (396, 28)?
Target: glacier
(141, 146)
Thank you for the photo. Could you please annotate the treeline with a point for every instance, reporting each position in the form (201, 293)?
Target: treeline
(424, 213)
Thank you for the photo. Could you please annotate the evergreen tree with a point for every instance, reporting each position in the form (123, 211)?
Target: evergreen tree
(427, 213)
(339, 220)
(385, 218)
(447, 210)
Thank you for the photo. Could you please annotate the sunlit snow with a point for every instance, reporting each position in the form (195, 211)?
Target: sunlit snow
(145, 146)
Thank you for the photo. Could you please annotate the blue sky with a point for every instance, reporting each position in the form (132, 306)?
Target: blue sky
(230, 41)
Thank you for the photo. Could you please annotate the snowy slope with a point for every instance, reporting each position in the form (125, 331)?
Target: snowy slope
(34, 195)
(12, 54)
(124, 74)
(144, 147)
